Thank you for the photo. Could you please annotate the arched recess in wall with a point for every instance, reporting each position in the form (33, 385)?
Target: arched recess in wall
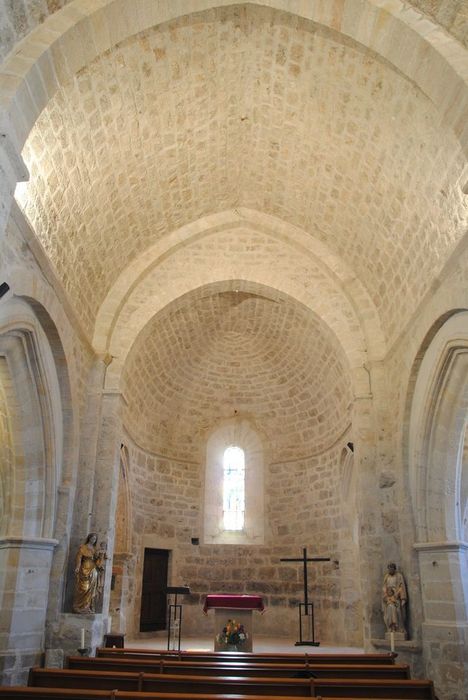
(437, 427)
(123, 513)
(348, 491)
(236, 432)
(120, 597)
(33, 421)
(464, 489)
(37, 417)
(10, 448)
(435, 442)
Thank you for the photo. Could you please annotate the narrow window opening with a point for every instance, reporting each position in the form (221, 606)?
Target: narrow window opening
(233, 488)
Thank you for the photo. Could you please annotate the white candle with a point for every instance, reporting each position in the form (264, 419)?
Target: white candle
(82, 639)
(109, 624)
(392, 641)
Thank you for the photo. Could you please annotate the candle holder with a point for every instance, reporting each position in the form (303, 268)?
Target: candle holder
(84, 651)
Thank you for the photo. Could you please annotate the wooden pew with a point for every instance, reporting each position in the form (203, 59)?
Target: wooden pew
(207, 685)
(263, 657)
(335, 688)
(147, 682)
(202, 668)
(27, 693)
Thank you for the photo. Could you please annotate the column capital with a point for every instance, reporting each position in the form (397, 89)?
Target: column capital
(10, 160)
(117, 393)
(14, 542)
(449, 546)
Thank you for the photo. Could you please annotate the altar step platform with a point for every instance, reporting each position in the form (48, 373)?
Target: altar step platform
(263, 644)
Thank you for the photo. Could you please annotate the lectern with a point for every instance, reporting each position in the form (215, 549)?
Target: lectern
(174, 622)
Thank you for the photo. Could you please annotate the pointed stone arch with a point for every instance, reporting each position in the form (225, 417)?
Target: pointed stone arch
(9, 446)
(36, 398)
(437, 430)
(299, 274)
(74, 36)
(36, 422)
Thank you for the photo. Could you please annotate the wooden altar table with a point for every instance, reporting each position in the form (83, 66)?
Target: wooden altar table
(233, 607)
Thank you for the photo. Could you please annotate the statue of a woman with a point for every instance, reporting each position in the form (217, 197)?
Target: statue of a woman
(88, 564)
(394, 599)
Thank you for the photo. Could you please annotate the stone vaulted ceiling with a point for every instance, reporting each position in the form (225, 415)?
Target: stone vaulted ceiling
(245, 106)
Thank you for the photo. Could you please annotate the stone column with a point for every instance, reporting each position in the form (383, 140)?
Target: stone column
(90, 437)
(119, 597)
(106, 481)
(24, 588)
(376, 496)
(444, 587)
(370, 546)
(96, 497)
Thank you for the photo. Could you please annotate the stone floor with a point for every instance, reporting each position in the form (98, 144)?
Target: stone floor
(261, 644)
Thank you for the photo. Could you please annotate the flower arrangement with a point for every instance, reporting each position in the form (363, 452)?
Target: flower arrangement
(233, 634)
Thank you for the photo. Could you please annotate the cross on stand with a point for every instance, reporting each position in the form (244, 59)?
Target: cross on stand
(306, 606)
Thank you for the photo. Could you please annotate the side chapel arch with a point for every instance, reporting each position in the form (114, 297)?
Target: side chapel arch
(38, 420)
(35, 417)
(437, 432)
(437, 429)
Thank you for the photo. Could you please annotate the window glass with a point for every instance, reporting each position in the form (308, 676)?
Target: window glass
(233, 488)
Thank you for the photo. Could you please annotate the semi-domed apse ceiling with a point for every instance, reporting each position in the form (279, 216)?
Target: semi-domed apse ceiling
(237, 350)
(245, 106)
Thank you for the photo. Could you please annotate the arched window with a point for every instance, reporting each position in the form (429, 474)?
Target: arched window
(234, 485)
(233, 488)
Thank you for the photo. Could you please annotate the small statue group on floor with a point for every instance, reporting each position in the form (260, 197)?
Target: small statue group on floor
(394, 599)
(89, 574)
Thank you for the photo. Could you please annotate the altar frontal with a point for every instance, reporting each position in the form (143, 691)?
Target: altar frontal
(233, 629)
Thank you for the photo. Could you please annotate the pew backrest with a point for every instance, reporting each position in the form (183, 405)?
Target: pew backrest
(28, 693)
(154, 683)
(307, 670)
(251, 657)
(291, 687)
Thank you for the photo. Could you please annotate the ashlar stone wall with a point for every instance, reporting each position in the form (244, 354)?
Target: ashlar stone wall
(232, 354)
(433, 563)
(305, 509)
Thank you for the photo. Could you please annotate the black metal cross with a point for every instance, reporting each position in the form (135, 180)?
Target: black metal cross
(306, 606)
(304, 560)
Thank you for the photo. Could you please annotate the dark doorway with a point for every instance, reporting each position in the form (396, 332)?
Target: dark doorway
(153, 594)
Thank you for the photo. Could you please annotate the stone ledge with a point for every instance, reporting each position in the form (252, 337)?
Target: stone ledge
(19, 542)
(408, 645)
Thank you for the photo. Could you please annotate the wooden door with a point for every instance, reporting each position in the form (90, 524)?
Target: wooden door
(153, 594)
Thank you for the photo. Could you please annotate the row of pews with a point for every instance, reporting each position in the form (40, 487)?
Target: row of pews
(140, 674)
